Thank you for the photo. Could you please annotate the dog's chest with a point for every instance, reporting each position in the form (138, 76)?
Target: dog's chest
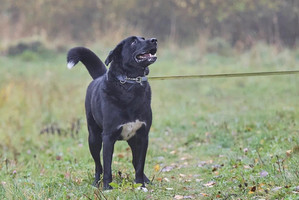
(129, 129)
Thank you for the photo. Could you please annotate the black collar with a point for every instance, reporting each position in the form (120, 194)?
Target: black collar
(124, 79)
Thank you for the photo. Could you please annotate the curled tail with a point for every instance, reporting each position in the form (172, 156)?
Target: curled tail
(92, 62)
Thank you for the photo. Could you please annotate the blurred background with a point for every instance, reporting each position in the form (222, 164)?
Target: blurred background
(231, 23)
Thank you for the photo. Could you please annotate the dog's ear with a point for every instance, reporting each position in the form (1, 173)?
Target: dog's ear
(109, 58)
(115, 53)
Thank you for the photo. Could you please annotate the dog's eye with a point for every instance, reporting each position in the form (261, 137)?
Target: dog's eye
(134, 42)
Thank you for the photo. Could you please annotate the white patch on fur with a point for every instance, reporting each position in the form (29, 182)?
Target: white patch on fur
(70, 65)
(144, 189)
(129, 129)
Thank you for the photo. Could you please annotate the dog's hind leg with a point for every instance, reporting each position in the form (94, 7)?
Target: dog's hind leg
(138, 153)
(95, 145)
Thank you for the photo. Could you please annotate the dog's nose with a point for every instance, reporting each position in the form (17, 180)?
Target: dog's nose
(153, 40)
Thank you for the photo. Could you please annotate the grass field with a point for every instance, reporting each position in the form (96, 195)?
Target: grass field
(228, 138)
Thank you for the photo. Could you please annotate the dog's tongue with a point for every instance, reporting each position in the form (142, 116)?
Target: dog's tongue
(146, 55)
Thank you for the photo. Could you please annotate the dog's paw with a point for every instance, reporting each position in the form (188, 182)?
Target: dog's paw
(146, 180)
(96, 183)
(144, 189)
(107, 187)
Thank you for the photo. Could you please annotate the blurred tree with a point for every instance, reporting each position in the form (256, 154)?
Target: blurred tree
(241, 22)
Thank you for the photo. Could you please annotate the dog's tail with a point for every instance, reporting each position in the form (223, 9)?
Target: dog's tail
(92, 62)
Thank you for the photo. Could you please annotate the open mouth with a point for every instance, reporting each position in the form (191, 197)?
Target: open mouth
(147, 56)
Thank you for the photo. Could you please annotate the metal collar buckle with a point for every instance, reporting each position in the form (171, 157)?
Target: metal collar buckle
(123, 81)
(138, 79)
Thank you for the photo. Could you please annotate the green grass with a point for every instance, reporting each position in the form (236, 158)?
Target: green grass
(230, 138)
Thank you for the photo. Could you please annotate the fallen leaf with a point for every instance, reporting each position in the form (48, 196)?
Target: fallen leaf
(157, 167)
(246, 167)
(78, 180)
(182, 175)
(276, 189)
(210, 184)
(185, 188)
(260, 187)
(169, 188)
(188, 197)
(261, 184)
(166, 179)
(173, 152)
(159, 179)
(167, 168)
(253, 189)
(204, 194)
(263, 173)
(216, 167)
(120, 155)
(288, 152)
(203, 163)
(178, 197)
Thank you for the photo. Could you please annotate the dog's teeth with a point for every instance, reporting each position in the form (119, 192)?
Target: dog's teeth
(70, 65)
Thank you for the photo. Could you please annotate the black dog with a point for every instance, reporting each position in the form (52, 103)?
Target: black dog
(118, 102)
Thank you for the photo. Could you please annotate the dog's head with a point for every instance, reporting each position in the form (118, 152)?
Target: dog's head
(134, 52)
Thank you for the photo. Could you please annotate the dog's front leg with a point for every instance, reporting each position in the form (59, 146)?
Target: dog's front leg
(133, 144)
(108, 147)
(141, 149)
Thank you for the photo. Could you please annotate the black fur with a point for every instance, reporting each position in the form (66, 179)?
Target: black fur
(94, 65)
(110, 103)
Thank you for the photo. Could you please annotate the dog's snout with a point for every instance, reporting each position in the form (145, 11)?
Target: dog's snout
(153, 40)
